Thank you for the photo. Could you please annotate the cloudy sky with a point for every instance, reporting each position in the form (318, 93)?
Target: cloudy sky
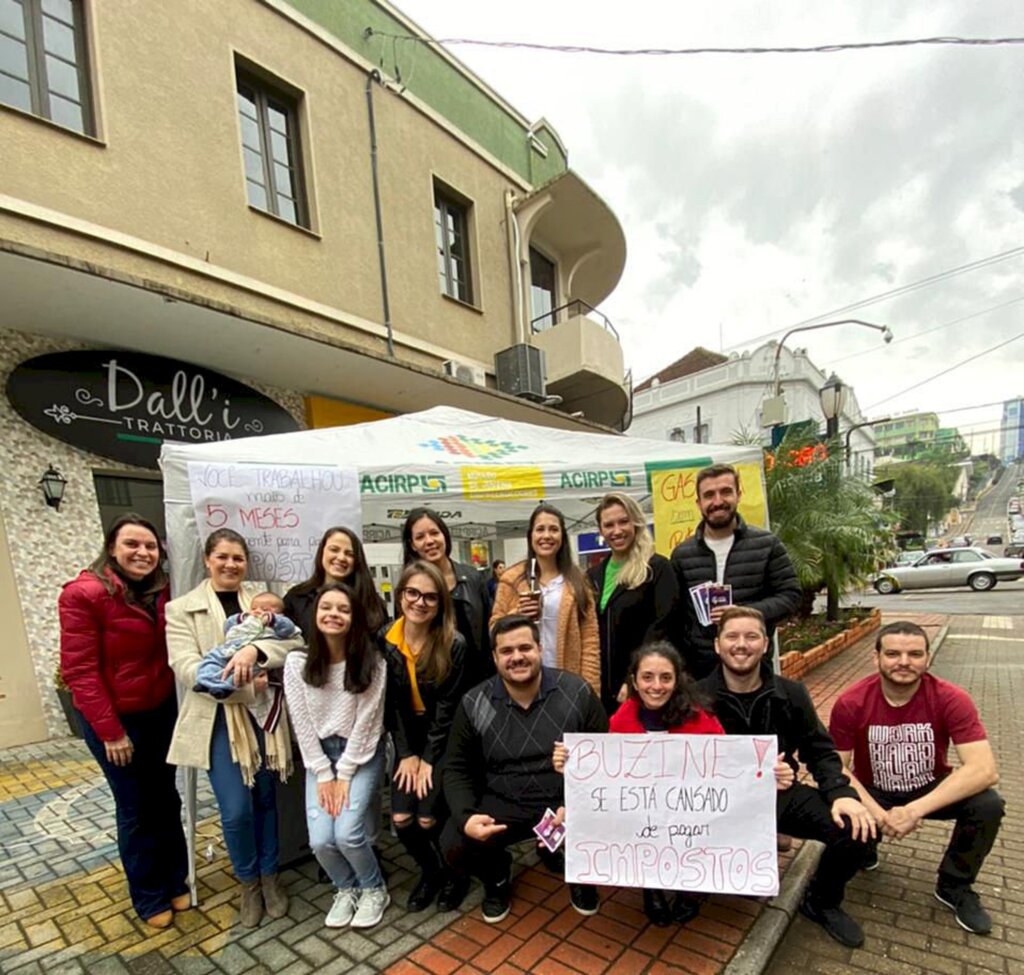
(757, 192)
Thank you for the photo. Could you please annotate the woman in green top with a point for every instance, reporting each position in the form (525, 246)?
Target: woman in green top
(635, 590)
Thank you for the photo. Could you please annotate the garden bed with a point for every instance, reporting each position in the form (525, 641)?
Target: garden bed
(809, 643)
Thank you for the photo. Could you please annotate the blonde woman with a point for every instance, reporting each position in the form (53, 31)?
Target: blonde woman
(635, 590)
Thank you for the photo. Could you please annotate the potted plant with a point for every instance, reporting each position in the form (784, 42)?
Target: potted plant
(64, 696)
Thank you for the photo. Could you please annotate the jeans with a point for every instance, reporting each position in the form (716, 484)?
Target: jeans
(147, 806)
(802, 812)
(977, 823)
(342, 844)
(248, 816)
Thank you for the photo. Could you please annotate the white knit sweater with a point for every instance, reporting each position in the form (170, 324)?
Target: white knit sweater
(319, 712)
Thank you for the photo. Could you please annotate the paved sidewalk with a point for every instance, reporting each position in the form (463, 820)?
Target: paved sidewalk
(908, 931)
(64, 905)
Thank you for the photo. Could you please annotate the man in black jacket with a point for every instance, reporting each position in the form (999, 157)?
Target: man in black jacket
(726, 549)
(500, 778)
(750, 700)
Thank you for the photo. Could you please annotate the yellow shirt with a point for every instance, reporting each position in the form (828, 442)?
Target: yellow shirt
(396, 636)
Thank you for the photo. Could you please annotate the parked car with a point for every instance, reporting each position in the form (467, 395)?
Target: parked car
(949, 567)
(995, 540)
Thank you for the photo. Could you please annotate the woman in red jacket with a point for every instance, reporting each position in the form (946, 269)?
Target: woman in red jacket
(662, 697)
(114, 659)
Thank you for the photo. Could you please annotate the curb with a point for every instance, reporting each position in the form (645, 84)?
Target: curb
(754, 954)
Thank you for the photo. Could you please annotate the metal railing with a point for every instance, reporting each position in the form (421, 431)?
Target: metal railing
(573, 308)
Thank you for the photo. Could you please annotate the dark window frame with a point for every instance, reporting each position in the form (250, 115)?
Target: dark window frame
(265, 94)
(36, 55)
(447, 203)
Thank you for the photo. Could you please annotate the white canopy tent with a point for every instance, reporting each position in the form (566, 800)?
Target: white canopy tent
(484, 475)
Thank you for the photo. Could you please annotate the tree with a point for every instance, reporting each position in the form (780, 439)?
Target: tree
(923, 492)
(830, 523)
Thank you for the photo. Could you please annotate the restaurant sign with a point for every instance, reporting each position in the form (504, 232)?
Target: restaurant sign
(124, 405)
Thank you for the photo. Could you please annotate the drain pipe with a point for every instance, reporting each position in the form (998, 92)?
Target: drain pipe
(376, 76)
(517, 269)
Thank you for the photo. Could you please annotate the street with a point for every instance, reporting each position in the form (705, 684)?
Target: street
(1006, 599)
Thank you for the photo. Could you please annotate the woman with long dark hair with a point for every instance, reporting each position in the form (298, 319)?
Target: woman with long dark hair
(635, 590)
(426, 680)
(549, 587)
(339, 558)
(425, 536)
(113, 658)
(220, 734)
(335, 693)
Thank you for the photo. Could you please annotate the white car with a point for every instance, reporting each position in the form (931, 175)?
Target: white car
(948, 567)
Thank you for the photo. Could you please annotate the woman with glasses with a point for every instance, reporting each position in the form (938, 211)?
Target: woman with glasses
(426, 678)
(549, 587)
(425, 536)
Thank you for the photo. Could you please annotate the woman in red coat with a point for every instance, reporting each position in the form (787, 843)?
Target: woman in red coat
(662, 697)
(113, 657)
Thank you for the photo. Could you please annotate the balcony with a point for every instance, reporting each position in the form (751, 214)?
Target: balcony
(584, 363)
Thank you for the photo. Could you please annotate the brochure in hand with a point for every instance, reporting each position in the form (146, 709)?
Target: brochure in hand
(707, 596)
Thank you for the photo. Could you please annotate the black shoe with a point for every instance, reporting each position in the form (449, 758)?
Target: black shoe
(497, 901)
(685, 907)
(656, 908)
(837, 924)
(453, 892)
(555, 862)
(966, 906)
(871, 863)
(584, 899)
(424, 892)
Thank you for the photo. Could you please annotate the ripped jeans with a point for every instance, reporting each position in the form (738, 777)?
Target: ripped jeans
(341, 843)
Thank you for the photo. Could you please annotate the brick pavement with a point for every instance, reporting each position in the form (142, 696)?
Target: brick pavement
(64, 905)
(908, 932)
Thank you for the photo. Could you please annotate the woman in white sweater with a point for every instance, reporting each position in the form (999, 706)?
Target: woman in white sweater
(335, 693)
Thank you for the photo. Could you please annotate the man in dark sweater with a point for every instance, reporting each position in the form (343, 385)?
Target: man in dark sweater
(750, 700)
(499, 778)
(727, 550)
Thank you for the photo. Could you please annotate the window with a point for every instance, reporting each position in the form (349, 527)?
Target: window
(678, 434)
(269, 124)
(542, 291)
(701, 433)
(43, 67)
(451, 226)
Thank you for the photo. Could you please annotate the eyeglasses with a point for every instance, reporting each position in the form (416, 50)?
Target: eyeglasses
(415, 596)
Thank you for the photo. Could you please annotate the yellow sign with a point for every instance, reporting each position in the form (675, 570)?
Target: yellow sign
(674, 498)
(502, 483)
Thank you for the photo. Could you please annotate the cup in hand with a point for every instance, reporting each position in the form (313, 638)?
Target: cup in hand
(530, 603)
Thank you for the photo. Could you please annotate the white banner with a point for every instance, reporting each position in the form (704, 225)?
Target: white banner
(280, 510)
(676, 812)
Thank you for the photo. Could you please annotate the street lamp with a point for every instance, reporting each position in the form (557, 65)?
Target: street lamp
(858, 426)
(832, 395)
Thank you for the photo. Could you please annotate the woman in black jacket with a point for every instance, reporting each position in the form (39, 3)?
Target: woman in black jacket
(425, 536)
(635, 590)
(426, 680)
(339, 558)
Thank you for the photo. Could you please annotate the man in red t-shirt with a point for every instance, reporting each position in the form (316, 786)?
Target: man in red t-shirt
(893, 730)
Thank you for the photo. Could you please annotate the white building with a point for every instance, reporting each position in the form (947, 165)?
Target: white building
(729, 392)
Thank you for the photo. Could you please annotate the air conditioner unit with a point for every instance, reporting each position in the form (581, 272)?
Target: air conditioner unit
(521, 371)
(464, 372)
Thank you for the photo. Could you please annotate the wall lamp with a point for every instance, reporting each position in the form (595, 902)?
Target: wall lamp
(53, 484)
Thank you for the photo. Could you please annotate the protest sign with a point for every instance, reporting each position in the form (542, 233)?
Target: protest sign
(676, 812)
(674, 500)
(280, 510)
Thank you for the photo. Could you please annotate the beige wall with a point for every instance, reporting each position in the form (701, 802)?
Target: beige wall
(166, 168)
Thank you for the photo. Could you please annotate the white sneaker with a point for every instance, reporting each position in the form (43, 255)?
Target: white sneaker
(344, 906)
(373, 903)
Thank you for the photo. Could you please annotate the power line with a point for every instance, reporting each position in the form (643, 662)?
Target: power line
(944, 372)
(688, 51)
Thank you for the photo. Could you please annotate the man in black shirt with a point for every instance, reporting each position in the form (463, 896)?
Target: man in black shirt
(499, 777)
(750, 700)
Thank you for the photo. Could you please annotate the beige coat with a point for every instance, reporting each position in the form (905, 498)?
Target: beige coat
(579, 645)
(195, 625)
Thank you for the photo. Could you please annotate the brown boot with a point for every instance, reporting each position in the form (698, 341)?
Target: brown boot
(250, 904)
(274, 896)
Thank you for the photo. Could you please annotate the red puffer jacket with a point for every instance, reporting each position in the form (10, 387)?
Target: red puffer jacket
(113, 655)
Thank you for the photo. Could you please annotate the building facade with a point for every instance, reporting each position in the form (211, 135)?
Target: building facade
(276, 197)
(906, 435)
(729, 393)
(1011, 430)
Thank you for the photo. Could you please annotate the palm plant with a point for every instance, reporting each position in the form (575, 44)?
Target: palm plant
(829, 521)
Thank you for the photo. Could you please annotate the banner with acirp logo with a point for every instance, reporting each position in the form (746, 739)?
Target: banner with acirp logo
(674, 500)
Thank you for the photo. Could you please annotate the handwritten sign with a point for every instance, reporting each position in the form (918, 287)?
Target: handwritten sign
(676, 812)
(674, 501)
(280, 510)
